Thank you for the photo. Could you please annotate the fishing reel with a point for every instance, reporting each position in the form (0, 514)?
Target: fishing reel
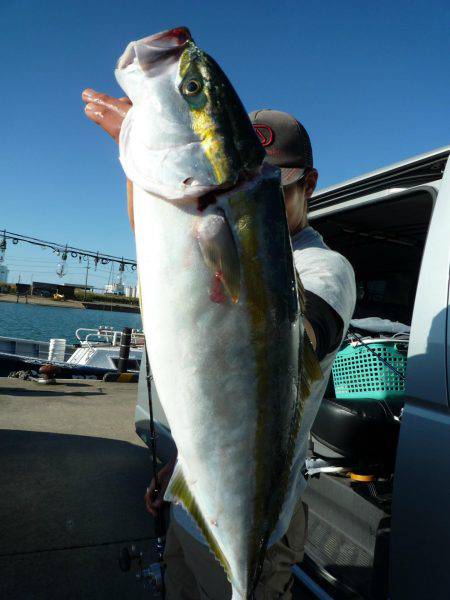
(152, 576)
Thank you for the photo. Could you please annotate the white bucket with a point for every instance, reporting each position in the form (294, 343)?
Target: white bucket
(57, 349)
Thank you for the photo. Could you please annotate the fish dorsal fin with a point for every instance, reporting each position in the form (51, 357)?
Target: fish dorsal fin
(310, 370)
(178, 491)
(300, 293)
(219, 251)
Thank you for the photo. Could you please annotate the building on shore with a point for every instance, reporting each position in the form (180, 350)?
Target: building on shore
(115, 288)
(41, 288)
(23, 289)
(131, 291)
(4, 273)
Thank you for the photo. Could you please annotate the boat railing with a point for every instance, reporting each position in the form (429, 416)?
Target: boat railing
(31, 348)
(106, 335)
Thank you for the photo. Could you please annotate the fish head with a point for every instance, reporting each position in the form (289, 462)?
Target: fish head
(188, 133)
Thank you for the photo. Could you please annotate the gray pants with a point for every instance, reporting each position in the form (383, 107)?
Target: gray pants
(193, 573)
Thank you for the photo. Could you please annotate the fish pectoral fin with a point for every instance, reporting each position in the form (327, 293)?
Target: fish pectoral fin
(178, 491)
(219, 251)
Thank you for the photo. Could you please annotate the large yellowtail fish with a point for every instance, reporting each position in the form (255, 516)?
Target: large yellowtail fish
(221, 308)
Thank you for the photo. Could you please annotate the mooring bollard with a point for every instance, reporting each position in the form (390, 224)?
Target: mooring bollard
(124, 352)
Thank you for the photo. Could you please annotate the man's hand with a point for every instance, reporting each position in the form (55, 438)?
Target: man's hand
(106, 111)
(164, 475)
(109, 113)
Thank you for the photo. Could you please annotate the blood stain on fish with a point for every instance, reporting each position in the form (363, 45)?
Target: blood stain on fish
(216, 294)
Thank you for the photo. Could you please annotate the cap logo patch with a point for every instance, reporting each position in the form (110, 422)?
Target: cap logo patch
(265, 133)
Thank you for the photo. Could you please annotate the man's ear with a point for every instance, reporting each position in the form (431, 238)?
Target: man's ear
(310, 183)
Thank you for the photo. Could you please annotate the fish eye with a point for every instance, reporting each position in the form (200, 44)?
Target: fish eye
(192, 87)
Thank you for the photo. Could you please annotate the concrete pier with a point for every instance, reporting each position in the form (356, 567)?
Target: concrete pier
(73, 475)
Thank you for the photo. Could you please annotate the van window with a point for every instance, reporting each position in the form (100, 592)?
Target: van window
(384, 242)
(391, 297)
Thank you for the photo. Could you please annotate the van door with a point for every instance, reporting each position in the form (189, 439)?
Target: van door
(420, 546)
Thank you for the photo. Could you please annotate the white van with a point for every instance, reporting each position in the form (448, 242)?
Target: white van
(379, 470)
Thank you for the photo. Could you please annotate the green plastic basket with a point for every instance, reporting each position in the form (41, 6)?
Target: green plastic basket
(357, 373)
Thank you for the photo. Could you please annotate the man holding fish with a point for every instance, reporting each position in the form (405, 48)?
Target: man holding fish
(247, 386)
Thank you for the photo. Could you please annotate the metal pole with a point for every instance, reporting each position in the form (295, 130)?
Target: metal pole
(86, 280)
(124, 352)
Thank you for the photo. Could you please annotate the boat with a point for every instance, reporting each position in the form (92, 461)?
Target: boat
(94, 354)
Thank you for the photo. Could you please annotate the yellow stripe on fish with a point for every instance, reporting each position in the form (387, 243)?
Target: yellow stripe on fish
(245, 212)
(204, 126)
(204, 123)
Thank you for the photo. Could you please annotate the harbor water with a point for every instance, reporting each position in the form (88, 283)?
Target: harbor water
(35, 322)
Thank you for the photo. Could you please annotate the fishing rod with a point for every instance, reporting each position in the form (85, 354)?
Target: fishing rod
(159, 521)
(154, 573)
(380, 358)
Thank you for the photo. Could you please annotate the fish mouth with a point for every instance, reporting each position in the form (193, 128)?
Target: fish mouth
(149, 50)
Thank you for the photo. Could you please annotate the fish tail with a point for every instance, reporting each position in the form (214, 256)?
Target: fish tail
(178, 490)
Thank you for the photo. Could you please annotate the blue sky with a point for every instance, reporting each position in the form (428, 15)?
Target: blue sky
(369, 80)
